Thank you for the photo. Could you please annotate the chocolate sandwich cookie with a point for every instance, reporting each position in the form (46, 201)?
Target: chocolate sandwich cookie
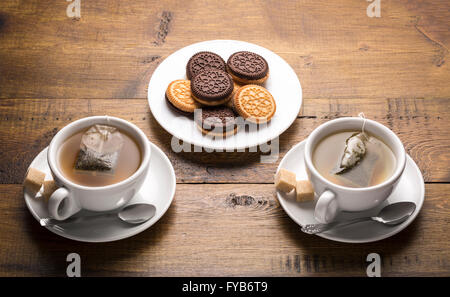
(248, 68)
(217, 121)
(212, 87)
(203, 61)
(178, 96)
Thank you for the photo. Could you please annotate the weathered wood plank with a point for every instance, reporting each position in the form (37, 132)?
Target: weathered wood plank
(336, 50)
(224, 230)
(393, 68)
(30, 124)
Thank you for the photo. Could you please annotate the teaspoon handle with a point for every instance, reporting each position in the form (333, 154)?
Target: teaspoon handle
(52, 222)
(319, 228)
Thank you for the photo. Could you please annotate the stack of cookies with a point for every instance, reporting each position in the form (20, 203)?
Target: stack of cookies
(223, 91)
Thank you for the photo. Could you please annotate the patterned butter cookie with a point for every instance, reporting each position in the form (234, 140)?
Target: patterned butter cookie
(172, 107)
(248, 68)
(203, 61)
(254, 103)
(212, 87)
(236, 87)
(178, 95)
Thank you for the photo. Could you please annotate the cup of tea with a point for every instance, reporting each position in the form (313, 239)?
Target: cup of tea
(371, 179)
(99, 164)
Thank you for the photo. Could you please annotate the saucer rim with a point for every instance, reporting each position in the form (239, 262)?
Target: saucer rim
(375, 238)
(143, 226)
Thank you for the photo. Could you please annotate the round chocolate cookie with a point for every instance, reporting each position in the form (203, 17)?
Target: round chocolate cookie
(212, 87)
(203, 61)
(248, 68)
(217, 121)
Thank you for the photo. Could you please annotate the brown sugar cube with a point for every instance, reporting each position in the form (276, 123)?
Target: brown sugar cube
(305, 191)
(34, 180)
(285, 180)
(49, 187)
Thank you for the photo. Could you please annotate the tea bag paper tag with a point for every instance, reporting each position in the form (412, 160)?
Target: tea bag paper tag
(102, 139)
(99, 149)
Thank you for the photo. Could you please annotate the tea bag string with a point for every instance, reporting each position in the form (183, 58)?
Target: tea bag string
(361, 115)
(103, 135)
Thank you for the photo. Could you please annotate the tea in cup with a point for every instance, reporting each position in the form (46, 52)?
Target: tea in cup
(352, 168)
(99, 164)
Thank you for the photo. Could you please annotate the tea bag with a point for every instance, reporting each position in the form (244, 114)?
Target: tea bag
(99, 149)
(357, 164)
(354, 151)
(361, 174)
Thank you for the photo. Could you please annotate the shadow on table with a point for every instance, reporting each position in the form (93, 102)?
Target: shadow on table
(224, 159)
(198, 154)
(97, 259)
(318, 255)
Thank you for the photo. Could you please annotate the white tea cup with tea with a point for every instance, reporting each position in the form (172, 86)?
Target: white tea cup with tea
(353, 164)
(99, 164)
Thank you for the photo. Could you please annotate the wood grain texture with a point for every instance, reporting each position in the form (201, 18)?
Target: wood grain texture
(335, 49)
(225, 220)
(422, 125)
(224, 230)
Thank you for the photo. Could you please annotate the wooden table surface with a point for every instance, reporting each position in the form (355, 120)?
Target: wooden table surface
(225, 219)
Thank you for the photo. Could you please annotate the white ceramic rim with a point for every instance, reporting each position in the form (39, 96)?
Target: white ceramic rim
(237, 147)
(53, 151)
(142, 227)
(337, 239)
(401, 159)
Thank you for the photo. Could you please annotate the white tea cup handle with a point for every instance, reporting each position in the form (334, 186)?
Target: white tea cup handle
(326, 207)
(61, 205)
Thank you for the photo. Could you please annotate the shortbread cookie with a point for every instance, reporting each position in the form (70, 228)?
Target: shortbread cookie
(254, 103)
(178, 94)
(248, 68)
(212, 87)
(304, 190)
(203, 61)
(172, 107)
(236, 87)
(285, 180)
(217, 121)
(34, 180)
(230, 103)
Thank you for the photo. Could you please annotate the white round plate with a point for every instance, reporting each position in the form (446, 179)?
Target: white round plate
(158, 189)
(282, 83)
(411, 187)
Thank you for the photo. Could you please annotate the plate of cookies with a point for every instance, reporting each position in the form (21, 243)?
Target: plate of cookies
(224, 95)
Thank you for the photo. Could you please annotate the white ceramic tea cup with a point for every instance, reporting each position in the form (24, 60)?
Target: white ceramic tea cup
(70, 197)
(334, 198)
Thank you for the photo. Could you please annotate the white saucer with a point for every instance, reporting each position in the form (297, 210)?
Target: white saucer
(282, 83)
(411, 187)
(158, 189)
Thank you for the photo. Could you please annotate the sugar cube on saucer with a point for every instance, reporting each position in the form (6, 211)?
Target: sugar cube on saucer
(305, 191)
(285, 180)
(49, 187)
(34, 180)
